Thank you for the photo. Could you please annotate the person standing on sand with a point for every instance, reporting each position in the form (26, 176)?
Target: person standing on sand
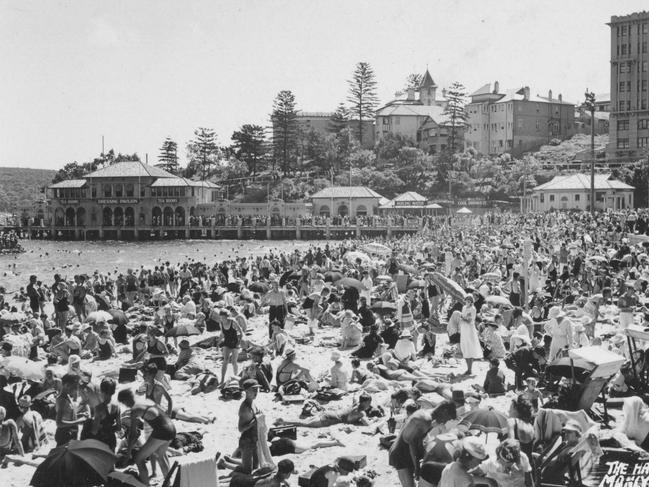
(248, 427)
(275, 299)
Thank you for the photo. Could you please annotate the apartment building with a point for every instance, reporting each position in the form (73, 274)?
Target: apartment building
(629, 122)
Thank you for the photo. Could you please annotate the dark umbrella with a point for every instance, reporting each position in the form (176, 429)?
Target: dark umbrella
(183, 331)
(417, 284)
(384, 307)
(485, 420)
(119, 317)
(122, 479)
(577, 369)
(351, 282)
(332, 276)
(77, 464)
(259, 287)
(288, 276)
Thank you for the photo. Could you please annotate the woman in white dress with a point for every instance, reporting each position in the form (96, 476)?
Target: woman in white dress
(469, 341)
(560, 329)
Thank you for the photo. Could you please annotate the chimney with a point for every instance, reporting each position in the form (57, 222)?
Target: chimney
(526, 93)
(496, 87)
(550, 95)
(560, 98)
(411, 94)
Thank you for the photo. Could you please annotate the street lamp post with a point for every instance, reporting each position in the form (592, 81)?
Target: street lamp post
(589, 104)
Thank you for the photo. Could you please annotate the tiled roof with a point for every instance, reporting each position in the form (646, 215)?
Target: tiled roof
(410, 196)
(483, 90)
(413, 110)
(130, 169)
(169, 182)
(582, 182)
(70, 183)
(347, 192)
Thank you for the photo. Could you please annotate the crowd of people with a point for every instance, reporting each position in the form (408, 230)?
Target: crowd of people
(509, 295)
(9, 240)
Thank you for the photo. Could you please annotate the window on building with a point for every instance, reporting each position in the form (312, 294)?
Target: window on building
(385, 121)
(93, 191)
(645, 66)
(624, 50)
(542, 197)
(599, 196)
(621, 87)
(644, 85)
(538, 125)
(644, 47)
(643, 104)
(623, 143)
(643, 142)
(108, 190)
(623, 30)
(643, 124)
(576, 197)
(623, 125)
(397, 120)
(119, 190)
(551, 198)
(130, 189)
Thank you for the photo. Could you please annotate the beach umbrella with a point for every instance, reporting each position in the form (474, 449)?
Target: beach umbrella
(417, 284)
(464, 211)
(448, 286)
(183, 330)
(498, 300)
(23, 368)
(99, 316)
(576, 368)
(384, 307)
(377, 248)
(351, 282)
(408, 268)
(288, 276)
(485, 420)
(491, 276)
(123, 479)
(354, 256)
(118, 316)
(384, 277)
(259, 287)
(429, 265)
(332, 276)
(79, 463)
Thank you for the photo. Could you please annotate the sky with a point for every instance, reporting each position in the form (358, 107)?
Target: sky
(137, 71)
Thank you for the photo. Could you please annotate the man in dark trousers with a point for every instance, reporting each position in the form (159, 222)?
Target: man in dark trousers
(33, 294)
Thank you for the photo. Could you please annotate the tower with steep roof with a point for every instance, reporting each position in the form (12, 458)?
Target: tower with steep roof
(427, 89)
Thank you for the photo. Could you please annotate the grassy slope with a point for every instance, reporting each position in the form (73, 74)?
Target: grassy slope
(20, 187)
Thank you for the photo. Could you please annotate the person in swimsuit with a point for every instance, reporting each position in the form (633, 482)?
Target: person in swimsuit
(156, 391)
(354, 415)
(156, 348)
(106, 347)
(106, 420)
(248, 427)
(67, 417)
(9, 441)
(162, 432)
(231, 335)
(30, 425)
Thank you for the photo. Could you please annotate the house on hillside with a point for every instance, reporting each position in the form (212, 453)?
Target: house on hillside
(418, 115)
(572, 192)
(346, 201)
(409, 203)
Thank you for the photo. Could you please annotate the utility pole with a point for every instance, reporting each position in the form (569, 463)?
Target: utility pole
(524, 185)
(589, 104)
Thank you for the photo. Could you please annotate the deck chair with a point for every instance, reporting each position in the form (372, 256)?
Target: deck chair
(200, 473)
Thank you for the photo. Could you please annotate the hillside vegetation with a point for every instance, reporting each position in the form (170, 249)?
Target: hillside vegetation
(21, 188)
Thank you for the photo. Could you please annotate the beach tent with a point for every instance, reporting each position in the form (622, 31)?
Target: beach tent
(464, 211)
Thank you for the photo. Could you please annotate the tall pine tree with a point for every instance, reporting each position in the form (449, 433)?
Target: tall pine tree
(362, 96)
(338, 120)
(285, 133)
(249, 145)
(455, 112)
(168, 156)
(202, 152)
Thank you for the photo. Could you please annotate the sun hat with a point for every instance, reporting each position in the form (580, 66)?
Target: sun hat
(474, 447)
(250, 384)
(183, 344)
(572, 425)
(290, 353)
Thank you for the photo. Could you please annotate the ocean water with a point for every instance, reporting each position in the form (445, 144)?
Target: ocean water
(46, 258)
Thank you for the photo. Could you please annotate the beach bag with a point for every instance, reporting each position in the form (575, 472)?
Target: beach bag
(232, 391)
(454, 338)
(310, 409)
(292, 388)
(283, 432)
(327, 395)
(126, 375)
(190, 442)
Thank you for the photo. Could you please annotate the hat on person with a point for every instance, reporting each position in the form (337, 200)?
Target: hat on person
(25, 401)
(250, 384)
(572, 425)
(290, 353)
(335, 355)
(554, 312)
(492, 324)
(286, 466)
(474, 447)
(183, 344)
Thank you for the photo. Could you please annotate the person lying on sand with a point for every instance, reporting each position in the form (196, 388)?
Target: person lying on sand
(354, 415)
